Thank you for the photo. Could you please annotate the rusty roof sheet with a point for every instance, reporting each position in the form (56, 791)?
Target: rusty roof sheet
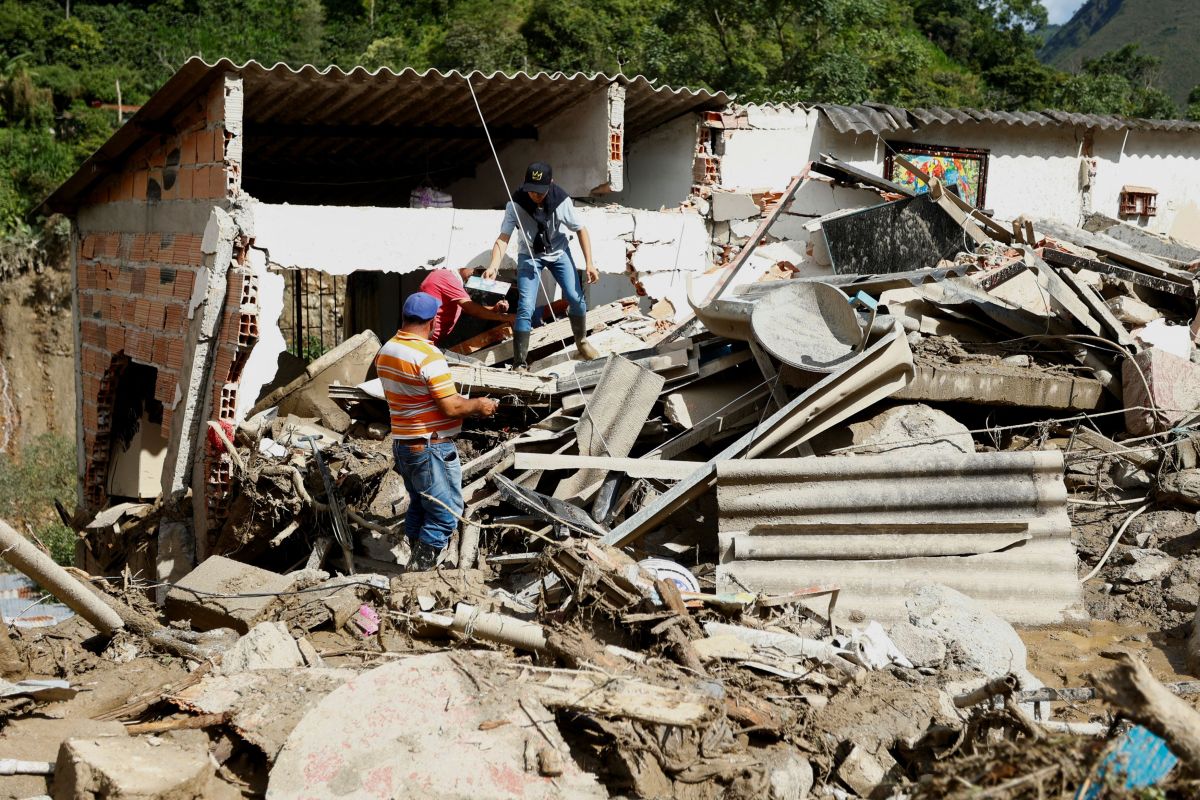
(316, 117)
(882, 119)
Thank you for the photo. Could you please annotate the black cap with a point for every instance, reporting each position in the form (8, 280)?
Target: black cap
(537, 177)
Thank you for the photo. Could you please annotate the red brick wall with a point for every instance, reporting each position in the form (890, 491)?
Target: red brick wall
(134, 286)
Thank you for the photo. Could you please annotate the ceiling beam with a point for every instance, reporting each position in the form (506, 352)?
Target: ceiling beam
(395, 132)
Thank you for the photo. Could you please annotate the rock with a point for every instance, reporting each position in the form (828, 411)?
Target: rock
(789, 776)
(423, 727)
(200, 596)
(37, 738)
(913, 428)
(1182, 487)
(862, 773)
(119, 768)
(1133, 311)
(1147, 565)
(268, 645)
(1155, 528)
(978, 639)
(924, 648)
(1193, 645)
(1183, 587)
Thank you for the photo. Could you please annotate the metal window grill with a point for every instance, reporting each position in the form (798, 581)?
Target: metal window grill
(313, 319)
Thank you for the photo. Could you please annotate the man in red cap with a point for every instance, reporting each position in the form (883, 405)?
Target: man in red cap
(544, 212)
(449, 287)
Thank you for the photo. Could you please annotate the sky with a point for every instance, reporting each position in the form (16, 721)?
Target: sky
(1061, 10)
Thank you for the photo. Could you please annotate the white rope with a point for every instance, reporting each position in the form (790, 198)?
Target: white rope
(529, 247)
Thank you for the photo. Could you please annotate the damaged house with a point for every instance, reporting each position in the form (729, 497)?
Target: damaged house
(247, 214)
(876, 385)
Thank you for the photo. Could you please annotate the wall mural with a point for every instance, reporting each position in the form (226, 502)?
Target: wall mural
(963, 170)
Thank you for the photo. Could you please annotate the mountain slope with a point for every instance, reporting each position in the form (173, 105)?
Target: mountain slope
(1167, 29)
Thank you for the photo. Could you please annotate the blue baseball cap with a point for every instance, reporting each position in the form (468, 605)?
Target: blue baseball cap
(422, 306)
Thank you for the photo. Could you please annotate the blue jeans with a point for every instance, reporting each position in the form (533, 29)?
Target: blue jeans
(529, 275)
(435, 471)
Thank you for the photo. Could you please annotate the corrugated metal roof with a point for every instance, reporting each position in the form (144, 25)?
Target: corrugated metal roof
(340, 123)
(882, 119)
(789, 523)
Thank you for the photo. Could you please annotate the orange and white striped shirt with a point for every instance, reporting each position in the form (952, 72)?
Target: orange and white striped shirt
(414, 374)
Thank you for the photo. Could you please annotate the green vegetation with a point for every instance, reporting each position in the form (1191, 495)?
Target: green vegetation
(1163, 29)
(29, 486)
(63, 68)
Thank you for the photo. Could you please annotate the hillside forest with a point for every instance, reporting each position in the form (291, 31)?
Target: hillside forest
(65, 66)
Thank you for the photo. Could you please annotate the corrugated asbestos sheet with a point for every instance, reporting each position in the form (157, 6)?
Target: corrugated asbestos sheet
(883, 119)
(336, 124)
(992, 525)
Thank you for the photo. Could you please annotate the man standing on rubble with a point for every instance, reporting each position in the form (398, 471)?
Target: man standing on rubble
(543, 212)
(426, 412)
(448, 286)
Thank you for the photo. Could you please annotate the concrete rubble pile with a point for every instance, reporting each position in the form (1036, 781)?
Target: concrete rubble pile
(793, 547)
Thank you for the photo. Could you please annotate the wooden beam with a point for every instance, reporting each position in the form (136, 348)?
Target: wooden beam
(1142, 460)
(744, 254)
(556, 332)
(1061, 259)
(633, 467)
(272, 130)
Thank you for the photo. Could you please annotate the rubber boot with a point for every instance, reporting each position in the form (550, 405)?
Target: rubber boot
(424, 557)
(520, 351)
(587, 351)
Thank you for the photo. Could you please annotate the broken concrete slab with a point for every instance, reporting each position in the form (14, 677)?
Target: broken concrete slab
(923, 647)
(1132, 311)
(263, 705)
(1146, 565)
(39, 738)
(862, 773)
(121, 768)
(348, 364)
(978, 639)
(438, 725)
(1001, 385)
(733, 205)
(223, 593)
(1156, 379)
(267, 645)
(913, 428)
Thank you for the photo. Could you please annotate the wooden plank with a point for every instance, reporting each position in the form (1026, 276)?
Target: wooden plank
(994, 229)
(633, 467)
(939, 194)
(1142, 460)
(1096, 303)
(490, 380)
(557, 331)
(1168, 285)
(767, 366)
(830, 167)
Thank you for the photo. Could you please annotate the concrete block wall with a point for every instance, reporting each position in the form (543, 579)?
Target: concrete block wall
(135, 277)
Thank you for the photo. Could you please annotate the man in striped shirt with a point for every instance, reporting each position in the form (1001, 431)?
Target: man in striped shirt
(426, 412)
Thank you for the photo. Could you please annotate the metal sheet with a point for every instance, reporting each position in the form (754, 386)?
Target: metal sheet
(870, 524)
(810, 326)
(323, 101)
(883, 119)
(1032, 584)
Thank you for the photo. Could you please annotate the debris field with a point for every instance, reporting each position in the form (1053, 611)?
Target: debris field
(921, 531)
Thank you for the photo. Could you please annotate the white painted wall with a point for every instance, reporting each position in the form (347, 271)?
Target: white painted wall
(1165, 161)
(575, 143)
(658, 166)
(661, 245)
(1031, 171)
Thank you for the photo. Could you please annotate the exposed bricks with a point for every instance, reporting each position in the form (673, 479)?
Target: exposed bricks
(164, 386)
